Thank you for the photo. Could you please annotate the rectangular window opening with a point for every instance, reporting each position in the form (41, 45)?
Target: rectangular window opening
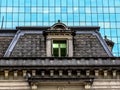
(59, 48)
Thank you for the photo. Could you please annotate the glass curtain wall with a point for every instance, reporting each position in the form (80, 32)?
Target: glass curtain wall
(103, 13)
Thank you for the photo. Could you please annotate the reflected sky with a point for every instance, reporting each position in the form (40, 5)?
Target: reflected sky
(103, 13)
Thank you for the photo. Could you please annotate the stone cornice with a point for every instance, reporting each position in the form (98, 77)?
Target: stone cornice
(61, 62)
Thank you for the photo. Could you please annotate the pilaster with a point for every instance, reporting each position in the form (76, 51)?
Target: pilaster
(48, 47)
(33, 72)
(70, 48)
(15, 74)
(6, 74)
(24, 73)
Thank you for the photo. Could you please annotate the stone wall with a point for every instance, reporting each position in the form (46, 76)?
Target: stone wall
(4, 43)
(30, 45)
(60, 86)
(88, 45)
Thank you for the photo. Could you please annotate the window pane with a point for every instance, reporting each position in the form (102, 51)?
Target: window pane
(59, 48)
(62, 45)
(16, 2)
(69, 2)
(3, 2)
(63, 52)
(10, 3)
(55, 45)
(21, 3)
(45, 2)
(63, 2)
(34, 2)
(55, 52)
(39, 2)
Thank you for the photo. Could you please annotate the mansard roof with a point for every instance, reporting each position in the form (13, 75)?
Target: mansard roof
(14, 38)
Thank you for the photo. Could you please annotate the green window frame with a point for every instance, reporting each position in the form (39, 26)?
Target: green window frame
(59, 48)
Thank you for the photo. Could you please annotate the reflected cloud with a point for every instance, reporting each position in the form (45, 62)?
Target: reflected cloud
(75, 9)
(87, 10)
(107, 25)
(58, 10)
(34, 9)
(45, 10)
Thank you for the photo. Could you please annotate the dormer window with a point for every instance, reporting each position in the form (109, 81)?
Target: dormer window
(59, 41)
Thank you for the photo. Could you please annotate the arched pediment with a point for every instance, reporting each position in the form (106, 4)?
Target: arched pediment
(59, 26)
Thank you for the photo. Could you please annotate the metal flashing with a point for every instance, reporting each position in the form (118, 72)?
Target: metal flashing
(47, 27)
(12, 44)
(32, 27)
(81, 28)
(7, 32)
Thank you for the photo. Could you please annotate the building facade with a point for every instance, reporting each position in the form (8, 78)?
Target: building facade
(57, 57)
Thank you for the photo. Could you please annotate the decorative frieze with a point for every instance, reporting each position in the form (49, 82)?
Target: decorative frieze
(63, 73)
